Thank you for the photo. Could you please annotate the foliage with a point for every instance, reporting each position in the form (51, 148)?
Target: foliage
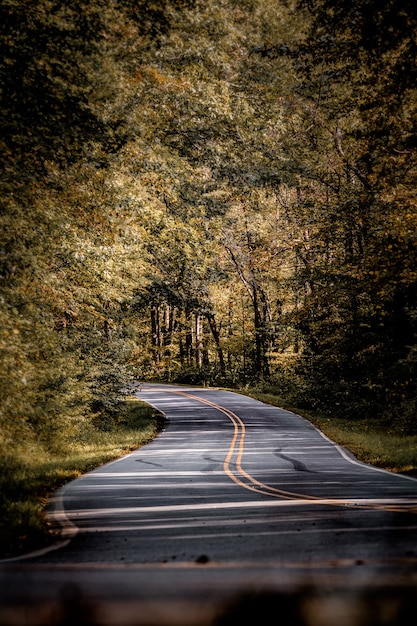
(213, 192)
(62, 275)
(358, 100)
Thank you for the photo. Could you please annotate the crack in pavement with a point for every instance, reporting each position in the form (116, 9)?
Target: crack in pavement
(298, 465)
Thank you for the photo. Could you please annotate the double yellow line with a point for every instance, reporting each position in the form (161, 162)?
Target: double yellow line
(233, 468)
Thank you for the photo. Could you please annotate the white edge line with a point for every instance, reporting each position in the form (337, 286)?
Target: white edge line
(349, 456)
(23, 557)
(56, 515)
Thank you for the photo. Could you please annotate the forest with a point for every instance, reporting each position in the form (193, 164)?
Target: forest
(213, 192)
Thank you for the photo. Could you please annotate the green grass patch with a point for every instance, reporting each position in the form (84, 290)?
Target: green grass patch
(29, 473)
(371, 441)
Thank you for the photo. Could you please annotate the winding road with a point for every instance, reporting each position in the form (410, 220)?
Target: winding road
(234, 496)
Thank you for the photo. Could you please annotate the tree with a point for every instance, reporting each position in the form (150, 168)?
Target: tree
(351, 142)
(66, 253)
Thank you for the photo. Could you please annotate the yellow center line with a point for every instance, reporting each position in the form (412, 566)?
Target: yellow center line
(262, 488)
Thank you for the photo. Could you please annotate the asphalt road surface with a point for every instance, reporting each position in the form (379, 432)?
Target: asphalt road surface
(235, 499)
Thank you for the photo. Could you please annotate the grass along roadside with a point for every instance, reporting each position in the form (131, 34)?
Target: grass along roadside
(30, 474)
(369, 440)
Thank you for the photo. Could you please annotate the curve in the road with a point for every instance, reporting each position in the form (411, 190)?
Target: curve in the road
(233, 468)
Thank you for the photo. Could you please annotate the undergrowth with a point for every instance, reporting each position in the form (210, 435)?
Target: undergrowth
(30, 473)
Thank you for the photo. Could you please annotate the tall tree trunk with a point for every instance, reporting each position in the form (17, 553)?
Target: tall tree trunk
(189, 339)
(155, 332)
(216, 336)
(198, 341)
(257, 319)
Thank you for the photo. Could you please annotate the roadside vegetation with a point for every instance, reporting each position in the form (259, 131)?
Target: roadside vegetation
(29, 474)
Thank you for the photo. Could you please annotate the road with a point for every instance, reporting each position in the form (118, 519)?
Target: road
(234, 497)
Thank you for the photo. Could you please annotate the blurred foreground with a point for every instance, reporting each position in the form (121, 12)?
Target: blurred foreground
(390, 606)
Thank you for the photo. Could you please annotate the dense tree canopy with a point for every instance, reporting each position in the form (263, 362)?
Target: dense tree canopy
(218, 192)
